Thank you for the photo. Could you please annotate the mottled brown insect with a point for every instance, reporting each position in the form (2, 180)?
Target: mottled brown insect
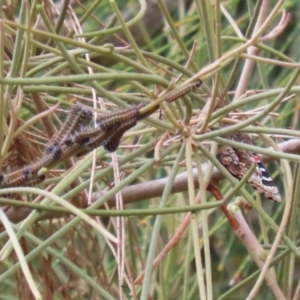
(77, 137)
(239, 161)
(116, 118)
(183, 91)
(111, 143)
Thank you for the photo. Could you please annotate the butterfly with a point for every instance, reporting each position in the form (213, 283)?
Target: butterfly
(238, 162)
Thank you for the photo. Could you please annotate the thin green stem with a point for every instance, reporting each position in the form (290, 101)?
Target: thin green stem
(204, 219)
(157, 226)
(248, 197)
(127, 32)
(107, 212)
(194, 225)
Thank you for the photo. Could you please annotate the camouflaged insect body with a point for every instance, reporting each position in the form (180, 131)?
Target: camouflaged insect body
(78, 137)
(239, 161)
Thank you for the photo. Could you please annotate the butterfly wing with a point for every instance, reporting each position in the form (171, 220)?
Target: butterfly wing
(239, 161)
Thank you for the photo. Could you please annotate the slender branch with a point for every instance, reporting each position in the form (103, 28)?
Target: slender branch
(154, 188)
